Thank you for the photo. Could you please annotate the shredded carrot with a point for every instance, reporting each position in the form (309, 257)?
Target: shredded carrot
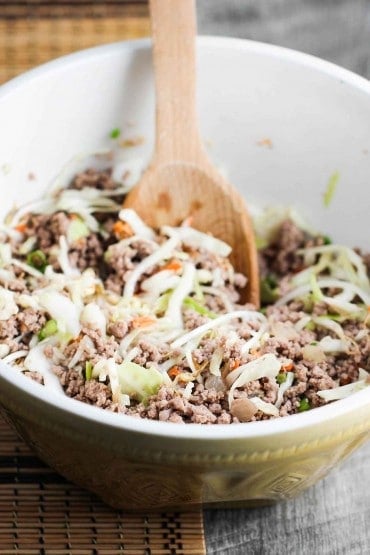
(122, 230)
(174, 265)
(234, 364)
(142, 321)
(21, 228)
(287, 367)
(174, 371)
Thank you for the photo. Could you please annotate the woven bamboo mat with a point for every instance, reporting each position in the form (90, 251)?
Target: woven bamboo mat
(35, 31)
(41, 513)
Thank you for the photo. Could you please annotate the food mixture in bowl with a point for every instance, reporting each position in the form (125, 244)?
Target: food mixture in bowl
(99, 307)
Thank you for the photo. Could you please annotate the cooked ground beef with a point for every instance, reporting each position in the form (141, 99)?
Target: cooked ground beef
(46, 228)
(121, 259)
(94, 179)
(17, 331)
(88, 252)
(211, 362)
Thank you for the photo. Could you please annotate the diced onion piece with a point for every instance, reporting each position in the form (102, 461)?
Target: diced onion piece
(284, 330)
(216, 361)
(5, 254)
(266, 408)
(114, 380)
(6, 276)
(93, 317)
(8, 306)
(28, 301)
(330, 345)
(188, 390)
(314, 353)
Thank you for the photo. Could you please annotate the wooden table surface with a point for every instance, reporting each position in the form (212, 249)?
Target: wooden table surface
(332, 518)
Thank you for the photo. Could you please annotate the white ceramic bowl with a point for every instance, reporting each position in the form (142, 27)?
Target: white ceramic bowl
(316, 118)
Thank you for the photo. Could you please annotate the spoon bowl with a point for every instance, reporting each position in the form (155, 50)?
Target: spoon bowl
(181, 183)
(173, 193)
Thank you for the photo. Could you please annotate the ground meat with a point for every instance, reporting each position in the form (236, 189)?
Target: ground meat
(90, 392)
(95, 179)
(281, 256)
(18, 285)
(30, 320)
(203, 407)
(47, 229)
(21, 325)
(93, 347)
(118, 329)
(215, 304)
(113, 260)
(122, 259)
(88, 252)
(148, 353)
(35, 376)
(9, 328)
(193, 319)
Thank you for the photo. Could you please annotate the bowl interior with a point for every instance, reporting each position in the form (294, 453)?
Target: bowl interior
(278, 122)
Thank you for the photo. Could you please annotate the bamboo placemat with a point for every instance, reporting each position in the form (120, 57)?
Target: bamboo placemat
(41, 513)
(35, 31)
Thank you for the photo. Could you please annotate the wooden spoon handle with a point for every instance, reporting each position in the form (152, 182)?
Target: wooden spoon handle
(173, 32)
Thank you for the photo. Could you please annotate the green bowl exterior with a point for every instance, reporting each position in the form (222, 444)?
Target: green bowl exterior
(138, 472)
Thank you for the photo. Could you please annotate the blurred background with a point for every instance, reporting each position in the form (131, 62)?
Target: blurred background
(33, 31)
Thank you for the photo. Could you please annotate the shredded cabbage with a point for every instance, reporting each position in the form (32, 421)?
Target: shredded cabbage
(62, 309)
(267, 366)
(343, 391)
(138, 382)
(8, 306)
(197, 239)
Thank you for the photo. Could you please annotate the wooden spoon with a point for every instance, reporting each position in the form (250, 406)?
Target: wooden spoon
(181, 182)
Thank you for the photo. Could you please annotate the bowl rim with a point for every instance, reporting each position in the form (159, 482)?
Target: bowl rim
(123, 422)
